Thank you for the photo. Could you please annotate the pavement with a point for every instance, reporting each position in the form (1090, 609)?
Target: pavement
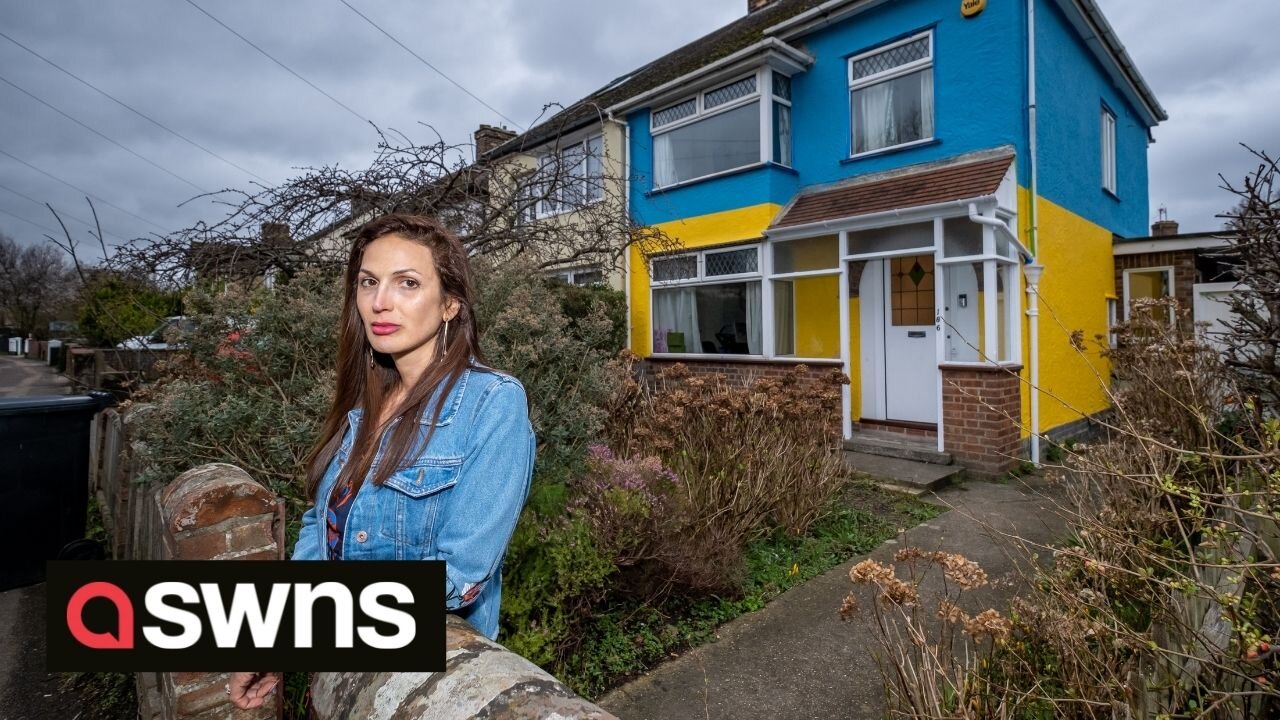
(27, 691)
(20, 376)
(797, 659)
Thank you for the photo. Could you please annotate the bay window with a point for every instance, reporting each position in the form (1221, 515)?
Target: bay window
(806, 286)
(707, 302)
(725, 128)
(891, 95)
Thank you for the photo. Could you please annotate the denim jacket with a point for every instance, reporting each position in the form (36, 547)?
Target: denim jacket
(458, 501)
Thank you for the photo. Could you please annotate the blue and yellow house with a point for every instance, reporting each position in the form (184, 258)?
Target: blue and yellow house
(921, 192)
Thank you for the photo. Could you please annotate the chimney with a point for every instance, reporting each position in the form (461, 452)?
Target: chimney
(489, 137)
(754, 5)
(1164, 226)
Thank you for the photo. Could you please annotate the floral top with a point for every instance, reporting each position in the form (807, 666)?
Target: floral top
(336, 519)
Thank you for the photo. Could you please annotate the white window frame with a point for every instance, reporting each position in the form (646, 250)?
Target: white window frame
(1112, 321)
(884, 76)
(570, 275)
(555, 154)
(768, 123)
(701, 279)
(1108, 150)
(1127, 300)
(763, 95)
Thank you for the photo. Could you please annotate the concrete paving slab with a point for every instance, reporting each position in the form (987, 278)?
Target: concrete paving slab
(797, 659)
(899, 472)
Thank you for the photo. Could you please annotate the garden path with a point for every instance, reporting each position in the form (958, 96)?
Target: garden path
(797, 659)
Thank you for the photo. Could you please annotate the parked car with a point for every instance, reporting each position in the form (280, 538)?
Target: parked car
(172, 329)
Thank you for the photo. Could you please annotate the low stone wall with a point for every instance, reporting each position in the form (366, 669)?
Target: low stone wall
(218, 512)
(482, 679)
(213, 512)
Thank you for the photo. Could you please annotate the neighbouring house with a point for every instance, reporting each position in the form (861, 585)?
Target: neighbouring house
(1189, 267)
(568, 175)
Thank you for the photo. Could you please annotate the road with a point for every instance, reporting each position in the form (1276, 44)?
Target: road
(27, 692)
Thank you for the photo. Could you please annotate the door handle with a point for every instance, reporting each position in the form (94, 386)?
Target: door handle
(916, 333)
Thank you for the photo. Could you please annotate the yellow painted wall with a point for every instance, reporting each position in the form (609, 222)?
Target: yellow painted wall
(1078, 278)
(720, 228)
(817, 317)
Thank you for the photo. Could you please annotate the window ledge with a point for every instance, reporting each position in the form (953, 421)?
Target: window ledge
(1004, 366)
(570, 211)
(756, 359)
(705, 178)
(889, 150)
(1111, 194)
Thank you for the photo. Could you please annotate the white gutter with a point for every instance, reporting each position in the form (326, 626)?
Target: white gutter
(1111, 43)
(796, 55)
(1002, 227)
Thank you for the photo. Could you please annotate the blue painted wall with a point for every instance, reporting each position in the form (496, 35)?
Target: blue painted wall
(1071, 88)
(980, 102)
(750, 187)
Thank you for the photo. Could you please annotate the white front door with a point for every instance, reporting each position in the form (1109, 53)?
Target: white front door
(910, 353)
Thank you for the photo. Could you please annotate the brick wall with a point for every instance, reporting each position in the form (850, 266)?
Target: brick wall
(213, 512)
(981, 415)
(1183, 263)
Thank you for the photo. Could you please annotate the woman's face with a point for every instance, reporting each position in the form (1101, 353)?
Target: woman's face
(401, 301)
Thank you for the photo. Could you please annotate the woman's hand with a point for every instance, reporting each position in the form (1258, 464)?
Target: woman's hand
(250, 690)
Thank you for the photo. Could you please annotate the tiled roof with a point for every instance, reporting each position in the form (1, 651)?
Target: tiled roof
(739, 34)
(927, 185)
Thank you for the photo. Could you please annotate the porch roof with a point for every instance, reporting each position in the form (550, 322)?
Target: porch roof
(930, 184)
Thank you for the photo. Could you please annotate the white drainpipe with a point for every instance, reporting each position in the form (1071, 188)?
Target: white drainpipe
(1033, 270)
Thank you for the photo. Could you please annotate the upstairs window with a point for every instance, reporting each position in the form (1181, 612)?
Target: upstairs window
(715, 131)
(570, 177)
(781, 119)
(891, 95)
(1108, 151)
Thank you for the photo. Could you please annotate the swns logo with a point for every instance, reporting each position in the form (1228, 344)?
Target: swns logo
(252, 615)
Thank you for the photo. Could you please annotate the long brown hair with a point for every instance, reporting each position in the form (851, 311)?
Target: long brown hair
(360, 384)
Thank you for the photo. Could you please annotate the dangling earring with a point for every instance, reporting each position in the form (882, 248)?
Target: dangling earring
(371, 363)
(444, 345)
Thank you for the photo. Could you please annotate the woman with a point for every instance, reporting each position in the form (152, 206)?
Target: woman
(425, 453)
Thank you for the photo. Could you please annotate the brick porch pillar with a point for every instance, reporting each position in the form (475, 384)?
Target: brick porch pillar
(981, 416)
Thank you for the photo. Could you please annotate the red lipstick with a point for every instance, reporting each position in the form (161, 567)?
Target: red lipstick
(383, 328)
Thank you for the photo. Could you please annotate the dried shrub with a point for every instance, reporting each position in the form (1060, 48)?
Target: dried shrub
(1166, 600)
(749, 456)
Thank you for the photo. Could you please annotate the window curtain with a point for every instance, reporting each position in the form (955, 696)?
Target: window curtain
(875, 117)
(926, 104)
(676, 310)
(755, 338)
(784, 330)
(664, 162)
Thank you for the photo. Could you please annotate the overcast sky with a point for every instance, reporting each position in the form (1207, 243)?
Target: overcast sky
(1211, 64)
